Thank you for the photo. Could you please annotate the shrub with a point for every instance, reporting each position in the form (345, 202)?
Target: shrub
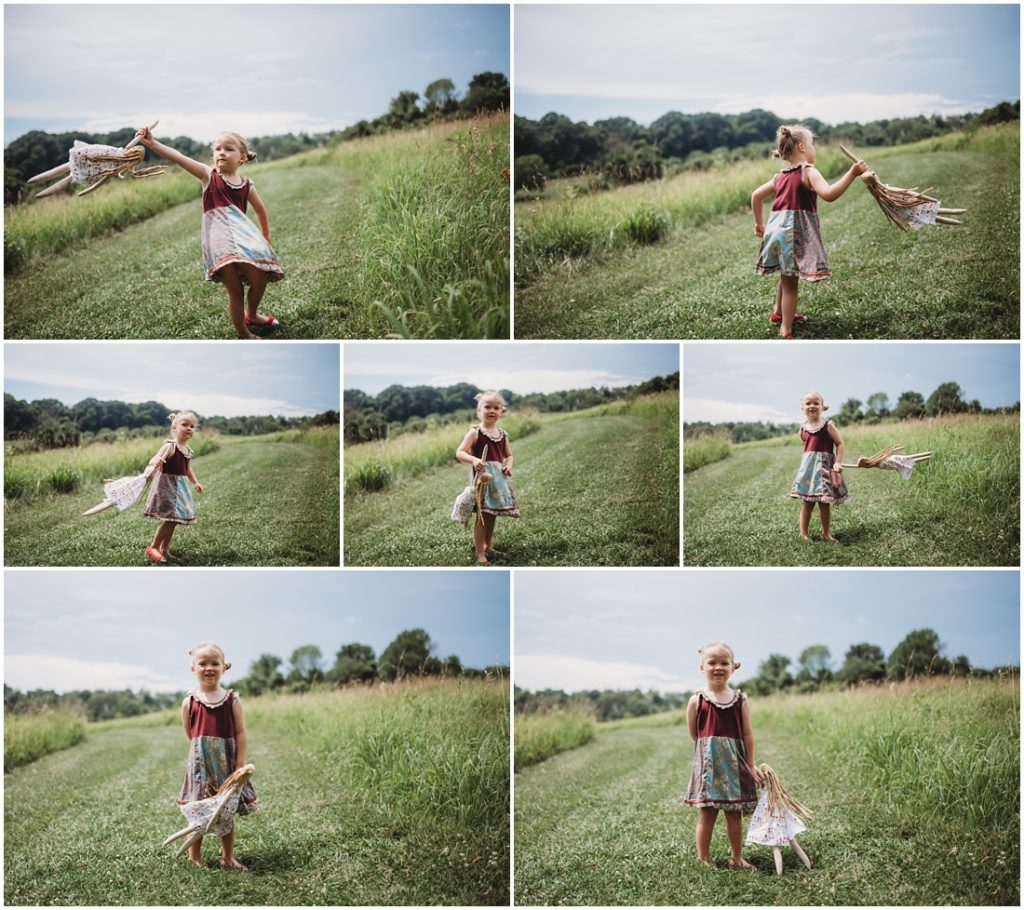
(646, 225)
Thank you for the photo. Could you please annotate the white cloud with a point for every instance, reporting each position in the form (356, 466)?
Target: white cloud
(838, 107)
(725, 411)
(213, 403)
(205, 126)
(64, 674)
(574, 674)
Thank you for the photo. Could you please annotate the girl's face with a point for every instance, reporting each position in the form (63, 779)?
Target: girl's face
(489, 410)
(717, 666)
(227, 155)
(184, 428)
(208, 666)
(813, 407)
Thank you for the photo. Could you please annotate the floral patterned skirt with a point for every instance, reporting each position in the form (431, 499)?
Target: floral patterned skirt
(210, 760)
(499, 498)
(817, 482)
(792, 245)
(170, 499)
(230, 236)
(721, 778)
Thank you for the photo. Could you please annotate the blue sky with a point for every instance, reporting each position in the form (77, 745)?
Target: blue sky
(833, 62)
(630, 629)
(211, 378)
(130, 629)
(519, 367)
(738, 382)
(256, 69)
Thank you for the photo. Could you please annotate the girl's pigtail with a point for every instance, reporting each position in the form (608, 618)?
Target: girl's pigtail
(250, 156)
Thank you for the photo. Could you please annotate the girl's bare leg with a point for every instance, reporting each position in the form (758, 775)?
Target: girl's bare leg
(480, 539)
(705, 826)
(788, 290)
(734, 828)
(806, 508)
(488, 531)
(777, 309)
(162, 536)
(257, 285)
(227, 845)
(195, 852)
(825, 513)
(232, 281)
(165, 543)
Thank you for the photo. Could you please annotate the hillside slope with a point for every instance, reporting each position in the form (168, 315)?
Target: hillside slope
(593, 490)
(942, 282)
(266, 503)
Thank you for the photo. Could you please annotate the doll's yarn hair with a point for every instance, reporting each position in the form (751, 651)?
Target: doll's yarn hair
(481, 397)
(821, 398)
(719, 644)
(209, 646)
(243, 146)
(788, 137)
(779, 798)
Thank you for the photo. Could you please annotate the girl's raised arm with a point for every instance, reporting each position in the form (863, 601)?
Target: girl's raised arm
(196, 168)
(831, 192)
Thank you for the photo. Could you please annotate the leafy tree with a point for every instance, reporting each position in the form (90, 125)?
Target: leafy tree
(407, 655)
(441, 98)
(917, 655)
(404, 109)
(878, 404)
(264, 674)
(530, 172)
(306, 661)
(946, 399)
(816, 662)
(863, 663)
(909, 405)
(850, 412)
(487, 92)
(354, 663)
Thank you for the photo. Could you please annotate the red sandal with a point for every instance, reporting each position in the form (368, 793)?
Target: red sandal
(272, 322)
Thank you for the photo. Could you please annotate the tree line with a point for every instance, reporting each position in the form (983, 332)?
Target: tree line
(620, 150)
(410, 655)
(607, 704)
(401, 408)
(918, 655)
(38, 151)
(947, 399)
(48, 423)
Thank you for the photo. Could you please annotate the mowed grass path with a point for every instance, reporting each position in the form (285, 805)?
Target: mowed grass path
(147, 281)
(604, 824)
(941, 282)
(593, 490)
(266, 504)
(962, 508)
(85, 825)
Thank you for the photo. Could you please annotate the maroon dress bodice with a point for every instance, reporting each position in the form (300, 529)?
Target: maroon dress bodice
(792, 194)
(219, 194)
(819, 441)
(496, 450)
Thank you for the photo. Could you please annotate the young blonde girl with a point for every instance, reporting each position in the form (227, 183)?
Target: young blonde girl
(170, 498)
(791, 243)
(724, 775)
(485, 448)
(819, 478)
(215, 726)
(234, 252)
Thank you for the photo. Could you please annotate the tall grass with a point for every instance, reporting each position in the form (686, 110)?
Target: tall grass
(31, 736)
(539, 736)
(705, 448)
(374, 466)
(436, 750)
(943, 749)
(66, 470)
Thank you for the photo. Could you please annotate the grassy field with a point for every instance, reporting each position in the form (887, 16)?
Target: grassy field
(595, 488)
(269, 500)
(580, 276)
(395, 795)
(914, 790)
(28, 737)
(404, 234)
(539, 736)
(961, 508)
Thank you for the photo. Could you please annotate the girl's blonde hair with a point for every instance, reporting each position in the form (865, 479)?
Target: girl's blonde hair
(821, 398)
(209, 646)
(719, 644)
(174, 418)
(789, 137)
(242, 145)
(491, 393)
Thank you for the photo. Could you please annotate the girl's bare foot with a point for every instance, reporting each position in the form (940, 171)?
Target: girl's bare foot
(481, 560)
(233, 864)
(740, 863)
(706, 861)
(828, 538)
(806, 537)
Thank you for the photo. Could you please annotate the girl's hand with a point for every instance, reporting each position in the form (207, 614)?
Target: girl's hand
(507, 472)
(479, 464)
(758, 777)
(199, 487)
(759, 230)
(860, 166)
(145, 136)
